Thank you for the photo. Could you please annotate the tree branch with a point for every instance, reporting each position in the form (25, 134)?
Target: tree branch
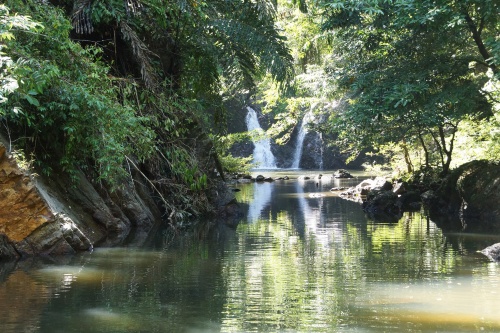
(476, 35)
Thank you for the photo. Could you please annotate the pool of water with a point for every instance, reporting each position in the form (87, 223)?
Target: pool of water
(301, 260)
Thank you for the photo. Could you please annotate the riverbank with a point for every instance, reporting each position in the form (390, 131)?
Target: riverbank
(59, 214)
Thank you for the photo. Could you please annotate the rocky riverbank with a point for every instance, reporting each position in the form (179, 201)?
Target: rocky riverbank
(58, 215)
(468, 199)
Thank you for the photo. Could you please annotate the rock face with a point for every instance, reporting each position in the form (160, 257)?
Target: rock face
(469, 198)
(50, 216)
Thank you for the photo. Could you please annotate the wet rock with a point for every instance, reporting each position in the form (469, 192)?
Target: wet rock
(492, 252)
(337, 189)
(302, 177)
(269, 179)
(382, 205)
(341, 173)
(7, 251)
(468, 199)
(368, 185)
(260, 178)
(230, 214)
(410, 201)
(400, 187)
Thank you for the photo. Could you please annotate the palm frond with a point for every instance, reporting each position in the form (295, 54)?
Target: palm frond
(141, 54)
(254, 46)
(80, 17)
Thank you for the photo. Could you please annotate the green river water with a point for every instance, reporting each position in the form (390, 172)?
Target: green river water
(301, 260)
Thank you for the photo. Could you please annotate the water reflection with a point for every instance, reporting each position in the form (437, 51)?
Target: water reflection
(306, 261)
(262, 193)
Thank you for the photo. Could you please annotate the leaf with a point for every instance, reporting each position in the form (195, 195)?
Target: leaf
(32, 100)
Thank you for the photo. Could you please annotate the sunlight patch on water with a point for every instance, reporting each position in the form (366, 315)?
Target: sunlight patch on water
(66, 275)
(457, 304)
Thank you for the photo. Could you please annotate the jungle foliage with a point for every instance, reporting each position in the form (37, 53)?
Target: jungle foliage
(416, 79)
(113, 87)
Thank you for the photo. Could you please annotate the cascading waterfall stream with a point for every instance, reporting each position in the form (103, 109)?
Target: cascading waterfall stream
(262, 155)
(300, 139)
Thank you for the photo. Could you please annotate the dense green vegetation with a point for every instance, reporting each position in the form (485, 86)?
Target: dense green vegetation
(108, 86)
(416, 80)
(111, 86)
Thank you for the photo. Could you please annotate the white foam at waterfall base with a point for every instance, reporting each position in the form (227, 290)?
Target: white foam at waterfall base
(262, 155)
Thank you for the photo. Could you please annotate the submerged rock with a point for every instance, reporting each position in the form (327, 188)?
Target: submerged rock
(380, 201)
(492, 252)
(382, 205)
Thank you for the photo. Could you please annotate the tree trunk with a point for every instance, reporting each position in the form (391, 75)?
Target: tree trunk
(426, 151)
(448, 152)
(476, 35)
(409, 165)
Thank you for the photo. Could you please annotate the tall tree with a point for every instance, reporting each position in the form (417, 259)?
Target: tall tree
(410, 70)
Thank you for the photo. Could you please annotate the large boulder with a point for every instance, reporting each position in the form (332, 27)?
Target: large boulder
(382, 206)
(381, 201)
(361, 190)
(54, 215)
(469, 198)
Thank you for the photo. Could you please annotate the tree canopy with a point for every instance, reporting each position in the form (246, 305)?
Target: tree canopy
(103, 86)
(406, 72)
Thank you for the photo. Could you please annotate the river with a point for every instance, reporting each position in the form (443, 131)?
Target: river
(302, 260)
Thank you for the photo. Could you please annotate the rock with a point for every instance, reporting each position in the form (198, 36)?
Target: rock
(7, 251)
(341, 173)
(400, 187)
(429, 198)
(492, 252)
(303, 178)
(230, 214)
(409, 201)
(260, 178)
(336, 189)
(382, 205)
(269, 179)
(468, 199)
(316, 195)
(377, 184)
(46, 216)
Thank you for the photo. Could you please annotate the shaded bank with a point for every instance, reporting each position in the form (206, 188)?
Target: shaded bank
(58, 215)
(468, 199)
(465, 200)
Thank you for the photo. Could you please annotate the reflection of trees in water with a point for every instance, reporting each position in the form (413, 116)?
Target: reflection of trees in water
(316, 264)
(290, 279)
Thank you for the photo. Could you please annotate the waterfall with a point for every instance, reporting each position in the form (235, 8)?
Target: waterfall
(300, 139)
(262, 155)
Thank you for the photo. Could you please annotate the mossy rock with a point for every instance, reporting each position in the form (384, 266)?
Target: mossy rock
(471, 193)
